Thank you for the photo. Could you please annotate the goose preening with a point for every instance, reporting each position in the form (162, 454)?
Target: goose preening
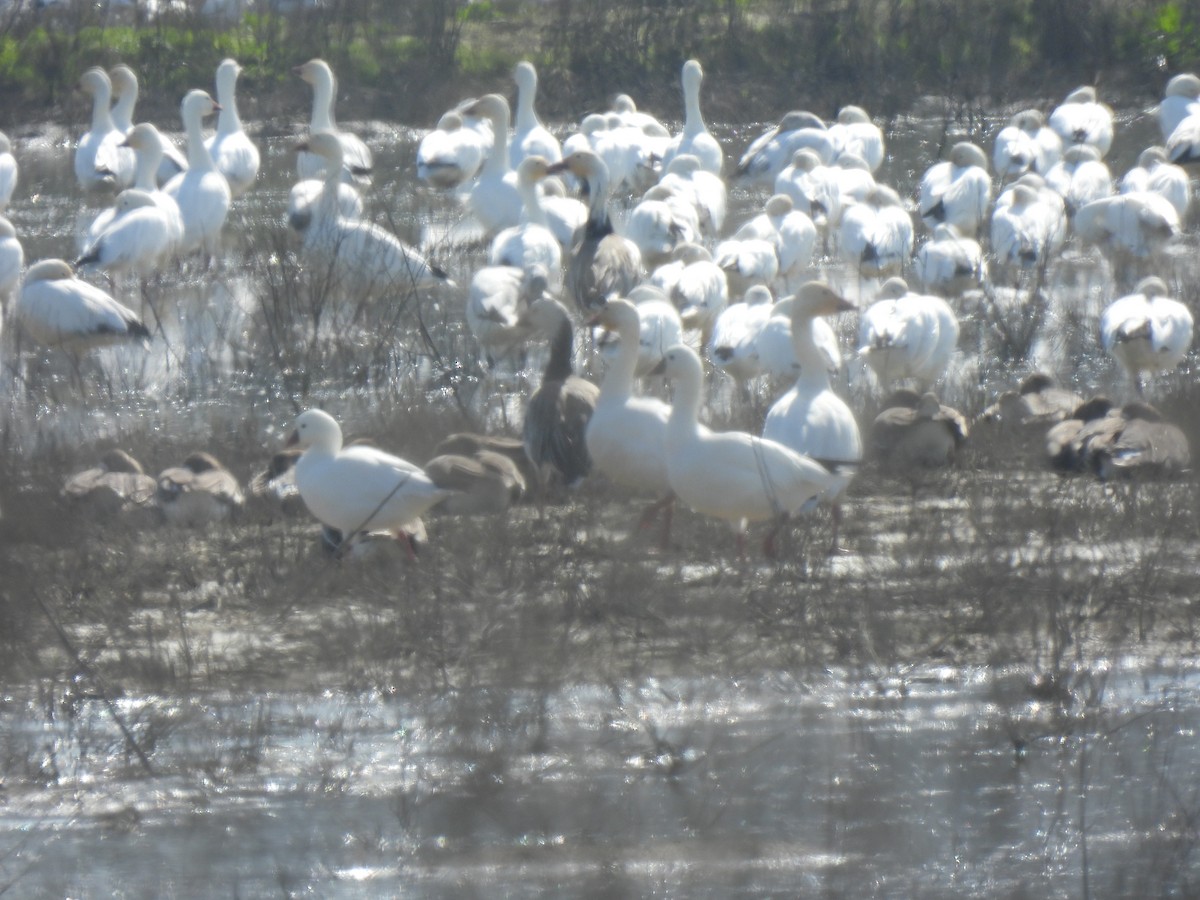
(1025, 144)
(529, 136)
(198, 492)
(1183, 145)
(100, 163)
(1147, 332)
(812, 185)
(855, 134)
(1128, 228)
(686, 176)
(494, 198)
(626, 434)
(481, 484)
(660, 327)
(852, 182)
(732, 475)
(117, 484)
(360, 257)
(452, 153)
(125, 92)
(916, 432)
(810, 418)
(358, 488)
(957, 191)
(1080, 119)
(1181, 98)
(949, 263)
(695, 137)
(12, 261)
(234, 154)
(772, 151)
(697, 286)
(59, 310)
(747, 263)
(733, 344)
(557, 413)
(1029, 227)
(1130, 441)
(201, 192)
(356, 159)
(905, 335)
(1080, 177)
(791, 231)
(876, 236)
(660, 222)
(530, 243)
(8, 172)
(139, 238)
(1155, 174)
(603, 263)
(465, 443)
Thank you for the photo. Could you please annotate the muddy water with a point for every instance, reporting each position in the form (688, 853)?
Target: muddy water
(913, 782)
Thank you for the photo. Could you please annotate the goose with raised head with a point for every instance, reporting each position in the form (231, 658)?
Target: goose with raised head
(125, 92)
(904, 335)
(1155, 174)
(139, 239)
(855, 133)
(732, 475)
(361, 257)
(810, 418)
(198, 492)
(772, 151)
(358, 488)
(949, 263)
(147, 145)
(957, 191)
(1147, 332)
(117, 484)
(12, 261)
(452, 153)
(8, 172)
(530, 242)
(235, 155)
(557, 413)
(603, 263)
(1025, 144)
(357, 159)
(529, 136)
(626, 436)
(494, 199)
(1081, 119)
(59, 310)
(201, 192)
(695, 137)
(100, 163)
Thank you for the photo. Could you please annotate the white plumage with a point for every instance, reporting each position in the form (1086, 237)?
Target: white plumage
(659, 326)
(1080, 119)
(732, 348)
(356, 155)
(1128, 227)
(125, 92)
(147, 145)
(1147, 332)
(661, 221)
(59, 310)
(1181, 99)
(876, 236)
(234, 154)
(495, 300)
(695, 137)
(907, 336)
(772, 151)
(494, 199)
(452, 153)
(949, 263)
(8, 172)
(99, 160)
(529, 243)
(1029, 225)
(791, 231)
(1154, 173)
(686, 176)
(1025, 144)
(1080, 177)
(138, 239)
(529, 136)
(957, 191)
(855, 134)
(12, 260)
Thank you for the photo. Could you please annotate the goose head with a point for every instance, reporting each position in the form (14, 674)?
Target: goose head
(1028, 120)
(532, 169)
(583, 164)
(1084, 94)
(117, 460)
(124, 81)
(49, 270)
(492, 107)
(799, 118)
(806, 160)
(143, 137)
(815, 298)
(965, 154)
(779, 206)
(1151, 157)
(1184, 85)
(681, 364)
(1152, 287)
(314, 72)
(894, 288)
(199, 104)
(227, 73)
(849, 115)
(132, 198)
(317, 429)
(692, 75)
(95, 81)
(617, 315)
(525, 75)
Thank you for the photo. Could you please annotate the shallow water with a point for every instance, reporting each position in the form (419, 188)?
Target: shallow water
(883, 781)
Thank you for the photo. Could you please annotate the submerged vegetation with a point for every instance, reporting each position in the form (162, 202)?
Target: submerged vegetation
(409, 61)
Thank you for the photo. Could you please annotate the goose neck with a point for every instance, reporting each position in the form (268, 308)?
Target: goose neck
(228, 120)
(531, 199)
(199, 158)
(813, 370)
(497, 161)
(684, 421)
(145, 173)
(693, 119)
(322, 108)
(618, 381)
(526, 117)
(102, 120)
(558, 367)
(122, 111)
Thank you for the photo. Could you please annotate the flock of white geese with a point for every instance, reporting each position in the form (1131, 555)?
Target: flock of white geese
(668, 286)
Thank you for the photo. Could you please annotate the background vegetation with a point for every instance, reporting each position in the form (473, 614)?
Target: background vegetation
(408, 61)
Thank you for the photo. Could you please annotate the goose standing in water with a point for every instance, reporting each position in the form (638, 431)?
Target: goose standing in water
(356, 155)
(949, 263)
(732, 475)
(876, 236)
(626, 434)
(59, 310)
(1155, 174)
(233, 153)
(8, 172)
(100, 163)
(530, 243)
(529, 136)
(557, 414)
(770, 153)
(201, 192)
(139, 238)
(603, 263)
(1147, 332)
(452, 153)
(198, 492)
(810, 418)
(695, 137)
(125, 92)
(147, 145)
(359, 488)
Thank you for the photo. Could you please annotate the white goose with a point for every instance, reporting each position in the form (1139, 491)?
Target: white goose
(1080, 177)
(12, 260)
(697, 287)
(8, 172)
(495, 300)
(358, 488)
(1029, 226)
(356, 155)
(235, 155)
(59, 310)
(1025, 144)
(659, 324)
(686, 176)
(147, 144)
(201, 192)
(1181, 98)
(810, 418)
(854, 133)
(876, 236)
(529, 136)
(1154, 173)
(530, 243)
(747, 263)
(452, 153)
(626, 435)
(494, 198)
(660, 222)
(732, 475)
(125, 92)
(1147, 332)
(771, 152)
(695, 137)
(791, 231)
(1080, 119)
(733, 344)
(361, 257)
(1128, 227)
(99, 161)
(949, 263)
(138, 239)
(957, 191)
(624, 106)
(906, 335)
